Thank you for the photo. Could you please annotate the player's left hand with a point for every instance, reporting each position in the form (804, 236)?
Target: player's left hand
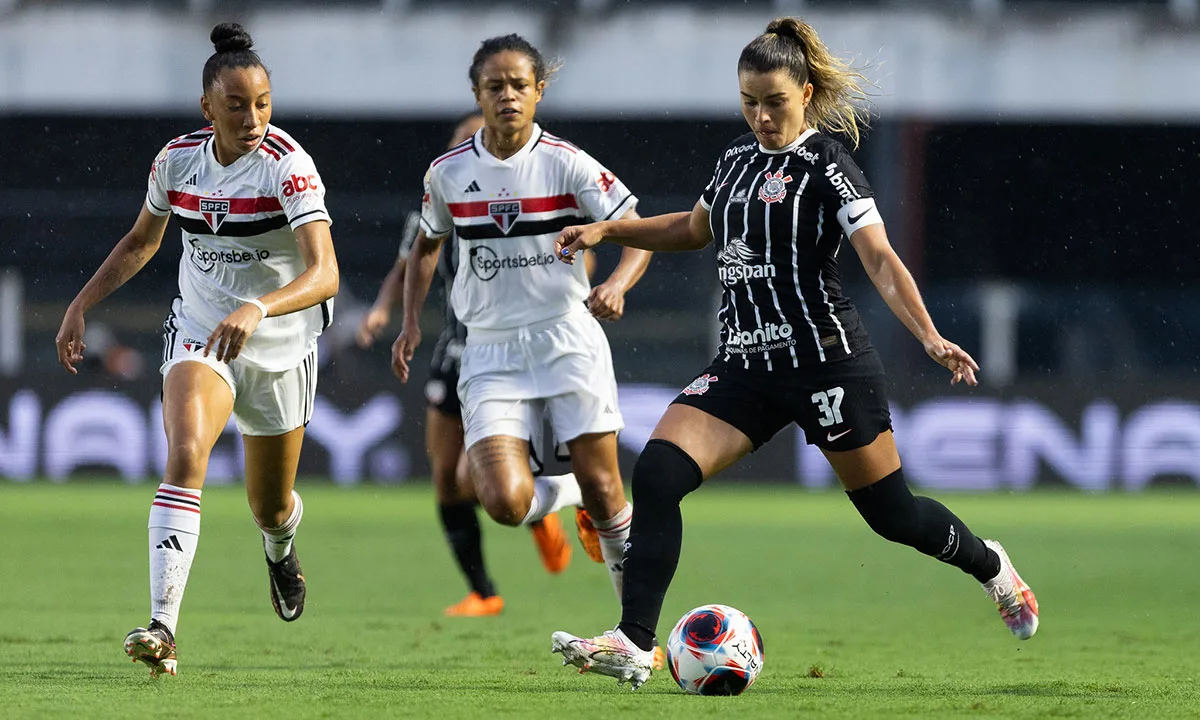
(607, 301)
(954, 359)
(230, 336)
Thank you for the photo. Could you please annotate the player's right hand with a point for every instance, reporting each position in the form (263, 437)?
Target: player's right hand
(577, 238)
(372, 324)
(69, 340)
(402, 351)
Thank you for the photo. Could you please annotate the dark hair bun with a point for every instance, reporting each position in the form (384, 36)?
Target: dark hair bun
(787, 27)
(230, 37)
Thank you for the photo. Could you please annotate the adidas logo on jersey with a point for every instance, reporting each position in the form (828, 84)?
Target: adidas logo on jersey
(473, 187)
(191, 180)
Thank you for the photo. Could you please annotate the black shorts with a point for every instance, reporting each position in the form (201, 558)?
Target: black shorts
(441, 390)
(840, 406)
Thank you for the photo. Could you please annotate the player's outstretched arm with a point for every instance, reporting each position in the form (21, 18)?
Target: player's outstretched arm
(377, 318)
(129, 256)
(899, 291)
(674, 232)
(422, 262)
(607, 300)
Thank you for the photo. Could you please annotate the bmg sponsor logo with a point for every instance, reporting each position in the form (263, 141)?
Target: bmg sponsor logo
(486, 264)
(840, 183)
(205, 259)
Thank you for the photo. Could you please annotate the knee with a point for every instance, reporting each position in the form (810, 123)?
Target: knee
(504, 501)
(271, 512)
(187, 459)
(889, 508)
(664, 473)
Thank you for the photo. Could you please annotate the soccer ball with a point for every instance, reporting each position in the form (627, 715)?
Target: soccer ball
(714, 650)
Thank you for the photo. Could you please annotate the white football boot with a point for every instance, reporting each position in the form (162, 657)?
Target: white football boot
(611, 654)
(1012, 596)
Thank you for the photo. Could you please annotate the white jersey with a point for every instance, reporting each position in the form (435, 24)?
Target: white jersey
(239, 239)
(506, 214)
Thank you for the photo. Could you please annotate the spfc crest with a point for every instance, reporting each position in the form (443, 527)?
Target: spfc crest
(700, 385)
(505, 213)
(214, 212)
(774, 187)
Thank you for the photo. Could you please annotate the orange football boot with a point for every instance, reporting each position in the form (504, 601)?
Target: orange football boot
(474, 605)
(551, 543)
(588, 537)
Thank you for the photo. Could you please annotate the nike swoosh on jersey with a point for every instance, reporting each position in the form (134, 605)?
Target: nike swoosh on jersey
(830, 437)
(856, 218)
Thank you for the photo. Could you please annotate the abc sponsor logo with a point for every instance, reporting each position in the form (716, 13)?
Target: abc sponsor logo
(298, 184)
(486, 264)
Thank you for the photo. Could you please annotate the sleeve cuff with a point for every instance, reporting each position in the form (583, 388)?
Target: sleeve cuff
(705, 204)
(310, 216)
(627, 204)
(430, 232)
(156, 210)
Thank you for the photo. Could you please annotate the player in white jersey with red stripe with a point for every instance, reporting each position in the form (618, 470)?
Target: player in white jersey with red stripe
(533, 348)
(256, 284)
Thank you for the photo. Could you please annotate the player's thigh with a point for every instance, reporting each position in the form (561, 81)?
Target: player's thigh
(197, 402)
(722, 415)
(867, 465)
(499, 468)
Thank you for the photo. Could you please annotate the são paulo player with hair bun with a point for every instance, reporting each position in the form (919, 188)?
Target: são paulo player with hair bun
(256, 285)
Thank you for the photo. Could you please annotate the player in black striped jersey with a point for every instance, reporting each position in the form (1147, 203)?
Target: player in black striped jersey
(443, 425)
(792, 346)
(256, 282)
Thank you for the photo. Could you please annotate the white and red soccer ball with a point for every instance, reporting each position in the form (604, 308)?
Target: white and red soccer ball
(714, 650)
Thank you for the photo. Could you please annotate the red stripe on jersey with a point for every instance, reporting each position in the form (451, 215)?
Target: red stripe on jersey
(528, 205)
(263, 146)
(568, 148)
(450, 155)
(279, 139)
(181, 494)
(177, 146)
(240, 206)
(176, 507)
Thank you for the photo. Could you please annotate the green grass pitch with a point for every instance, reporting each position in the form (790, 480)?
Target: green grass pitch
(854, 627)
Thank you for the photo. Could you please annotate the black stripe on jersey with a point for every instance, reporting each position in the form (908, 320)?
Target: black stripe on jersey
(326, 318)
(232, 229)
(198, 135)
(275, 146)
(619, 206)
(310, 212)
(166, 209)
(520, 228)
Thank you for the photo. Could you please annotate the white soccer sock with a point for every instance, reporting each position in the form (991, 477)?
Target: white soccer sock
(278, 541)
(614, 533)
(174, 531)
(552, 493)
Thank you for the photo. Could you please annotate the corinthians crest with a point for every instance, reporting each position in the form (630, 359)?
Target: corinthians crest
(774, 187)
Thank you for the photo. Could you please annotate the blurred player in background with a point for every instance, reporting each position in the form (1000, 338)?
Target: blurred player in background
(793, 348)
(532, 348)
(444, 429)
(256, 283)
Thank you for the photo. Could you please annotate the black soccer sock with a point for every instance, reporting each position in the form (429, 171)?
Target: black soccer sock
(462, 532)
(924, 524)
(662, 476)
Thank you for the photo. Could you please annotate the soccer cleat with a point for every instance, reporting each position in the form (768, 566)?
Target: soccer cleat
(475, 605)
(588, 537)
(287, 586)
(154, 646)
(551, 543)
(1012, 596)
(660, 658)
(612, 654)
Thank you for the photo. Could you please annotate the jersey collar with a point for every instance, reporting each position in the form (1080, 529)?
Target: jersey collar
(211, 152)
(525, 149)
(790, 146)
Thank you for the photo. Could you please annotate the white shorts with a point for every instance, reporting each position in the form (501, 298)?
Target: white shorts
(561, 371)
(264, 403)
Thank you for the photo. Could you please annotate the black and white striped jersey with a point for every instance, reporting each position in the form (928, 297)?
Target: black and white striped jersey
(778, 218)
